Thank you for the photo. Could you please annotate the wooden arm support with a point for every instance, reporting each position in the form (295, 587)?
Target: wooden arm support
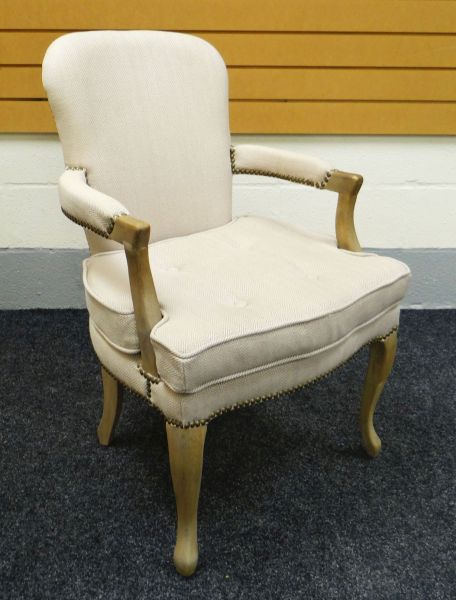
(135, 235)
(347, 185)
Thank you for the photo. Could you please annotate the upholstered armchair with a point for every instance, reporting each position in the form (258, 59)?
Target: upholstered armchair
(195, 311)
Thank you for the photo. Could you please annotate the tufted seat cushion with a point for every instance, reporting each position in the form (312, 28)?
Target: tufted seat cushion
(241, 298)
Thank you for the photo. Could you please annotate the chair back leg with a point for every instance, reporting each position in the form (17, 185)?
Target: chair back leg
(381, 359)
(112, 407)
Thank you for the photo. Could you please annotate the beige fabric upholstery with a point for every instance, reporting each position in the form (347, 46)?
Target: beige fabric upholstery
(242, 298)
(263, 160)
(251, 307)
(87, 206)
(186, 409)
(146, 114)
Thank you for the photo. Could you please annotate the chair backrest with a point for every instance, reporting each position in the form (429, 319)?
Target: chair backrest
(146, 113)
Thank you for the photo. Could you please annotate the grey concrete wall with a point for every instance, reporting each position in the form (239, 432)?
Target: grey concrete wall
(43, 278)
(433, 283)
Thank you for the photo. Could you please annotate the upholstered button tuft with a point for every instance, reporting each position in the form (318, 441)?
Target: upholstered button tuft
(234, 301)
(240, 303)
(313, 276)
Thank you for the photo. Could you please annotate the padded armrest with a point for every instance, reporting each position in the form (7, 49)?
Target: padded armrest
(86, 206)
(262, 160)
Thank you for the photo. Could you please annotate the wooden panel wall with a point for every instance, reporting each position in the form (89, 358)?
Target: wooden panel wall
(296, 66)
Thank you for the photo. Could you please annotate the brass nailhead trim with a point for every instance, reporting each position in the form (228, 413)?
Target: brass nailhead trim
(252, 401)
(72, 168)
(134, 392)
(100, 232)
(260, 399)
(237, 171)
(152, 378)
(123, 384)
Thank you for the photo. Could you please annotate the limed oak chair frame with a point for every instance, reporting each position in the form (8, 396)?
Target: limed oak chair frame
(91, 79)
(186, 445)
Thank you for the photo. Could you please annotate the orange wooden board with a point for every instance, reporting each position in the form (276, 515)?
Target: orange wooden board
(233, 15)
(303, 66)
(288, 49)
(291, 84)
(390, 118)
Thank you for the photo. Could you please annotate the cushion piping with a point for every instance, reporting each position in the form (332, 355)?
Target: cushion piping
(250, 402)
(269, 329)
(282, 361)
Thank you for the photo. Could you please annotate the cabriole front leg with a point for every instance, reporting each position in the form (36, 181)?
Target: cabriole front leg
(112, 407)
(186, 447)
(381, 360)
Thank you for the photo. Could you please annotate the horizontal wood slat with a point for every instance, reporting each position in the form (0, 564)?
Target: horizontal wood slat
(268, 49)
(438, 16)
(342, 84)
(285, 117)
(26, 116)
(293, 84)
(302, 66)
(21, 82)
(25, 47)
(344, 118)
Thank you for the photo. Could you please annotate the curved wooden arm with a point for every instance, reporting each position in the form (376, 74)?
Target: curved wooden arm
(308, 170)
(348, 186)
(134, 235)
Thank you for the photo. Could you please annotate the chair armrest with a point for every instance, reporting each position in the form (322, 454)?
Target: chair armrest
(109, 218)
(250, 159)
(86, 206)
(260, 160)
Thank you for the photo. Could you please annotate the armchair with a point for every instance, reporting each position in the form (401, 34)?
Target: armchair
(216, 313)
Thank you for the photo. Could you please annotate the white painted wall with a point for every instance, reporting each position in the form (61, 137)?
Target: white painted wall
(408, 199)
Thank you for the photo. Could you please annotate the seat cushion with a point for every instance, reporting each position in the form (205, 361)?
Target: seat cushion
(243, 298)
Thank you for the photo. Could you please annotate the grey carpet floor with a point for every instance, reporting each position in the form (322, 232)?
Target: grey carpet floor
(290, 506)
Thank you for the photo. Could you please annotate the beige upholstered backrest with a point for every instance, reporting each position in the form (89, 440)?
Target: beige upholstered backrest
(146, 113)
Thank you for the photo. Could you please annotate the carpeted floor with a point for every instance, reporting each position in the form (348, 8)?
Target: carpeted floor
(290, 506)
